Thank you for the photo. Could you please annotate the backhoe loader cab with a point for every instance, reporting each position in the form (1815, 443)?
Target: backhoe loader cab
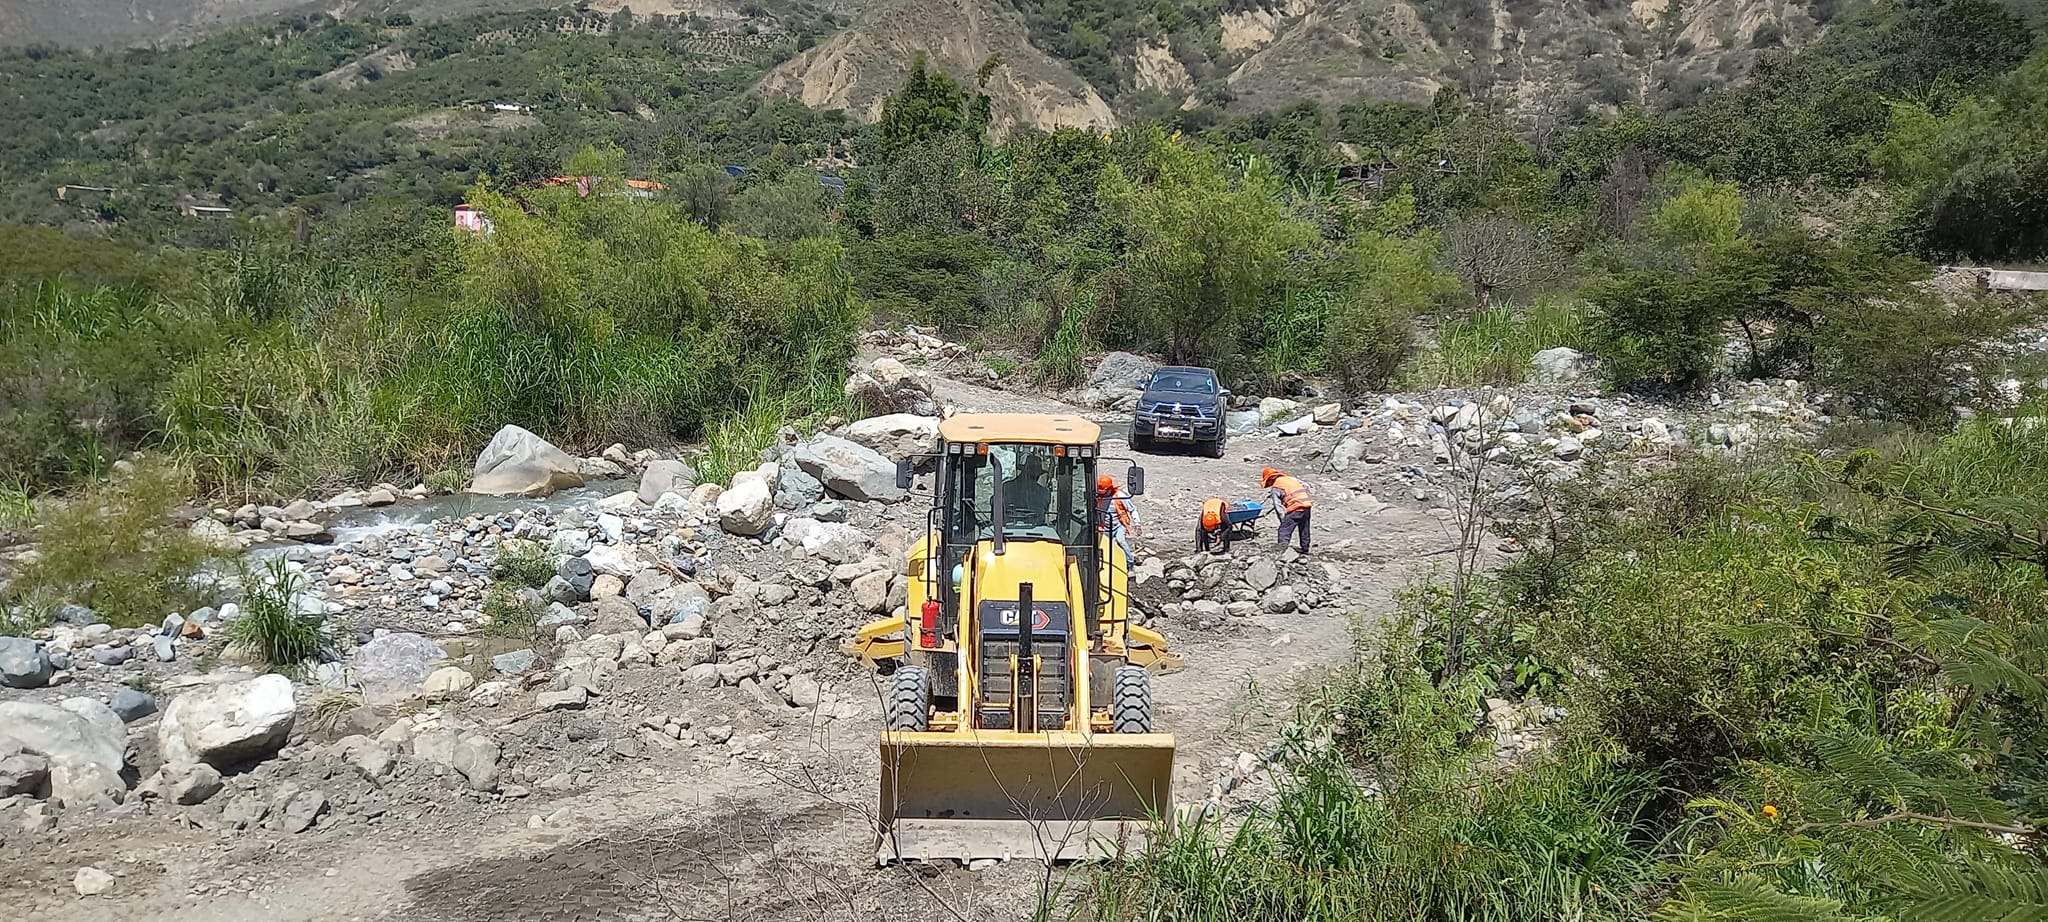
(1020, 720)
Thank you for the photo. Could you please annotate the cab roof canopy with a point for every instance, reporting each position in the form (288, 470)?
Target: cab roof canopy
(1032, 428)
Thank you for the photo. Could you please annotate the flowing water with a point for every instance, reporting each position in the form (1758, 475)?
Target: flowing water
(351, 525)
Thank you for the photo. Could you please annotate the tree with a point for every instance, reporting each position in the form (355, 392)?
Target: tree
(788, 209)
(1395, 276)
(1496, 251)
(1206, 248)
(930, 103)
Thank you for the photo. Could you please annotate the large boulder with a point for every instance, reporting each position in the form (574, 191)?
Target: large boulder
(889, 386)
(517, 461)
(847, 469)
(897, 435)
(1115, 381)
(392, 667)
(24, 663)
(228, 724)
(835, 542)
(746, 509)
(1124, 370)
(665, 477)
(1271, 408)
(84, 744)
(1559, 366)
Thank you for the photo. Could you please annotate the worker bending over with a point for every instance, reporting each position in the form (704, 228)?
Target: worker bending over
(1119, 520)
(1288, 497)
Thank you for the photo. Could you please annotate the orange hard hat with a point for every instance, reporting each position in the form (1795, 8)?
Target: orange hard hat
(1105, 484)
(1267, 476)
(1212, 514)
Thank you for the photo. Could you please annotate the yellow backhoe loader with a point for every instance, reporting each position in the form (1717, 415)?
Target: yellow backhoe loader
(1020, 710)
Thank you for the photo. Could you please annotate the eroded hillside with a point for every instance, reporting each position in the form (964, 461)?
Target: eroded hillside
(861, 65)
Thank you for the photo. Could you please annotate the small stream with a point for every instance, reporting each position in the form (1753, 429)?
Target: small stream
(351, 525)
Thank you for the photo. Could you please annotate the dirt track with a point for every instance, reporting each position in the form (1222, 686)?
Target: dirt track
(680, 835)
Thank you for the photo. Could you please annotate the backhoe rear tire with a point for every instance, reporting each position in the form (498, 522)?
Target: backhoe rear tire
(910, 699)
(1132, 694)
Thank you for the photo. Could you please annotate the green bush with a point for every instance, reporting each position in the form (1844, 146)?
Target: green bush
(271, 627)
(523, 563)
(112, 547)
(1912, 357)
(509, 617)
(1369, 339)
(1394, 276)
(1654, 330)
(1436, 835)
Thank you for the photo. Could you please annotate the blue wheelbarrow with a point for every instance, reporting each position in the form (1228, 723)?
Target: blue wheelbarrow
(1224, 521)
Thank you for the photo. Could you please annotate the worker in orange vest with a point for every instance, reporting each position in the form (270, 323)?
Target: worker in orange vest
(1289, 498)
(1119, 520)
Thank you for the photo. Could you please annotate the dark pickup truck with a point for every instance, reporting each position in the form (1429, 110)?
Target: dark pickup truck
(1181, 404)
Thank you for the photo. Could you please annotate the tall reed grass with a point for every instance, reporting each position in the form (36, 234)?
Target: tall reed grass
(1493, 346)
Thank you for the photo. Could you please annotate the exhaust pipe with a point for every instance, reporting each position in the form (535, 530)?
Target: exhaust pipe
(1024, 692)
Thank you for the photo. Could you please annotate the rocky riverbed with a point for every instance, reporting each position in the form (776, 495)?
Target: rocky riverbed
(583, 663)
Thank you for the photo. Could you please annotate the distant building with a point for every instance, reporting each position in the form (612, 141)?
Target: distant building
(193, 209)
(471, 218)
(83, 194)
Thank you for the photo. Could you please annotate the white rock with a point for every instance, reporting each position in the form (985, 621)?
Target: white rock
(228, 724)
(896, 435)
(620, 560)
(448, 680)
(1559, 365)
(665, 476)
(1272, 407)
(91, 881)
(746, 509)
(871, 592)
(390, 668)
(518, 462)
(768, 473)
(619, 502)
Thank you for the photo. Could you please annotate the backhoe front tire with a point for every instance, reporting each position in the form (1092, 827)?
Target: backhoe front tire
(910, 699)
(1132, 694)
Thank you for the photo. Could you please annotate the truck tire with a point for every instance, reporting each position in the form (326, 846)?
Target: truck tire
(1132, 694)
(1216, 447)
(910, 699)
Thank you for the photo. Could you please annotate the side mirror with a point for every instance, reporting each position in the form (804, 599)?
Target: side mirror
(1225, 392)
(1137, 480)
(905, 472)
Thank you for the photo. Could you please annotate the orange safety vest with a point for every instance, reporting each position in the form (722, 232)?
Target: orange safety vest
(1293, 496)
(1115, 505)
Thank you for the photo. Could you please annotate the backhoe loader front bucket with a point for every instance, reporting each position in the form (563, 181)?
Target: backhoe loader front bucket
(1056, 797)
